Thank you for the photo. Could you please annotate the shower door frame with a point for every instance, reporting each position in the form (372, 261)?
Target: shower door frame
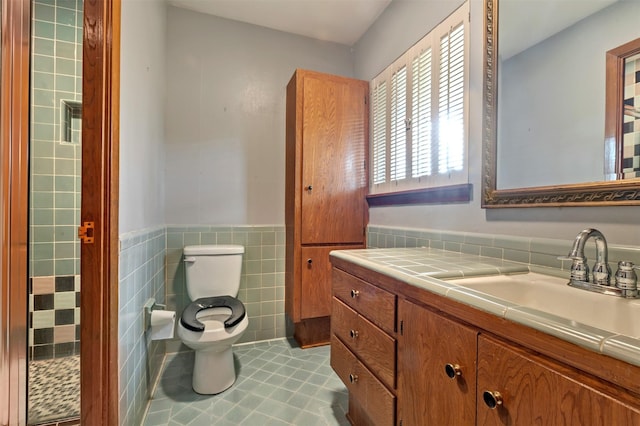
(99, 261)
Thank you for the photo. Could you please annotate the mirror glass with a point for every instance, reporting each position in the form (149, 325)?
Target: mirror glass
(551, 89)
(631, 117)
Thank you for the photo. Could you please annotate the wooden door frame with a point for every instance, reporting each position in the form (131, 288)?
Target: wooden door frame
(99, 369)
(99, 261)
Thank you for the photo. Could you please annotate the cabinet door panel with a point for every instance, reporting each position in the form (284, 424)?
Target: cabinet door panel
(315, 297)
(333, 160)
(426, 344)
(534, 393)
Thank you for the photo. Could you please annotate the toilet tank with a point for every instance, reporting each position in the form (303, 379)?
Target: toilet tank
(213, 270)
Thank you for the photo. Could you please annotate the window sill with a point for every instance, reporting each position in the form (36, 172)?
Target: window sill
(441, 195)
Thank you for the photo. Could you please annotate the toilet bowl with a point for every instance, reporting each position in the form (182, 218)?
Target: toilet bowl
(213, 369)
(215, 319)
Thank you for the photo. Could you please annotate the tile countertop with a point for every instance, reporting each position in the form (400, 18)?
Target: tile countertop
(426, 268)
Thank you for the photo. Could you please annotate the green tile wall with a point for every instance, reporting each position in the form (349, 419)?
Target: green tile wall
(142, 276)
(262, 280)
(55, 167)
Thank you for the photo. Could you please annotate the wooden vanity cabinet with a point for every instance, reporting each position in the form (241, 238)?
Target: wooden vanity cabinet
(452, 362)
(327, 125)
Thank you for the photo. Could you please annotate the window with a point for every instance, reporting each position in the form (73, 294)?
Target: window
(419, 117)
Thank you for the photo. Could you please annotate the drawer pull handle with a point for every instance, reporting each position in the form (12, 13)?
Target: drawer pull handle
(355, 293)
(353, 334)
(353, 378)
(492, 399)
(452, 370)
(309, 261)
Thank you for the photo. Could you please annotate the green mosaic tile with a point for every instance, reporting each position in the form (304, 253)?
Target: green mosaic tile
(43, 46)
(45, 81)
(42, 63)
(42, 12)
(65, 33)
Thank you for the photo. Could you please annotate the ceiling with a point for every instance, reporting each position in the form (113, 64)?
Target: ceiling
(339, 21)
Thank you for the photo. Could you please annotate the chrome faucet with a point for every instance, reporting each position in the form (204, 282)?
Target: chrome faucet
(579, 268)
(625, 282)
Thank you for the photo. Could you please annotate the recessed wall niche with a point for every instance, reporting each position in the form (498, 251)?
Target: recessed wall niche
(70, 121)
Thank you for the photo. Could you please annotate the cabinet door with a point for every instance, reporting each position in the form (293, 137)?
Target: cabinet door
(333, 160)
(315, 297)
(533, 390)
(428, 343)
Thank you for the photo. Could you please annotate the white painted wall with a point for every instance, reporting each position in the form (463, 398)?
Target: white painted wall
(225, 116)
(621, 225)
(142, 99)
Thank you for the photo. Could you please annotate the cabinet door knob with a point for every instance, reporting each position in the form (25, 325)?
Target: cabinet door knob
(309, 261)
(353, 334)
(452, 370)
(492, 399)
(353, 378)
(309, 188)
(354, 293)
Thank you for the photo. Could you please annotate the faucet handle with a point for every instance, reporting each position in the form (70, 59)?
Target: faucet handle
(626, 278)
(579, 267)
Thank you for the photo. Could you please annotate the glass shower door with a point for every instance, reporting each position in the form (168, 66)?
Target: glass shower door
(54, 211)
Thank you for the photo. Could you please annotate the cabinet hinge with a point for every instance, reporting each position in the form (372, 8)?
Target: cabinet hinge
(401, 327)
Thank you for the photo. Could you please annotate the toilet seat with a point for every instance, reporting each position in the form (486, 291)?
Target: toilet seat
(189, 320)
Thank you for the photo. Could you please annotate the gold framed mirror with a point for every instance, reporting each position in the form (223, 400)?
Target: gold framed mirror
(590, 192)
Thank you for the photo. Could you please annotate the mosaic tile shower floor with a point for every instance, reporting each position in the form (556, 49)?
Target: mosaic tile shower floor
(278, 384)
(54, 389)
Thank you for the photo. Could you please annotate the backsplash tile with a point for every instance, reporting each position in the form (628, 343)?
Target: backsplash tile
(539, 252)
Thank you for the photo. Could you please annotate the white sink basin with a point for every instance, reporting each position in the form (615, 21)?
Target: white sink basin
(553, 295)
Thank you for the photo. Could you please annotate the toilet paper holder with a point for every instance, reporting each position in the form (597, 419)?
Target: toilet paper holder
(151, 305)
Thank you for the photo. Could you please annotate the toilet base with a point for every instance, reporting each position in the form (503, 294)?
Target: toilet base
(213, 372)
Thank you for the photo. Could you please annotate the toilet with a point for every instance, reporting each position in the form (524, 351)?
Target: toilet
(215, 319)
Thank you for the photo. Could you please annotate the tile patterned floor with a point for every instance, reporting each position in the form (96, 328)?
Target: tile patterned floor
(278, 384)
(54, 389)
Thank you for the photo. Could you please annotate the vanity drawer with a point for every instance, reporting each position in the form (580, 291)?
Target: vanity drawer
(377, 305)
(375, 348)
(371, 394)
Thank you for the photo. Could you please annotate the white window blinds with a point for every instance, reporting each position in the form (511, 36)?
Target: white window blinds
(379, 123)
(421, 115)
(419, 112)
(398, 140)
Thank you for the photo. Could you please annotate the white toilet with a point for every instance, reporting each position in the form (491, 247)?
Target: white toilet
(215, 319)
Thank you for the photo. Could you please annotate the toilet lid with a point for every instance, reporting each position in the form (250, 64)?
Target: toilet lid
(188, 318)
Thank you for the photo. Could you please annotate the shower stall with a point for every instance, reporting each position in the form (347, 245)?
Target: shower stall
(53, 391)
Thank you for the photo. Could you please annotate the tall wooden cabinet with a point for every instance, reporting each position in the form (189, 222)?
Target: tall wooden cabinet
(327, 127)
